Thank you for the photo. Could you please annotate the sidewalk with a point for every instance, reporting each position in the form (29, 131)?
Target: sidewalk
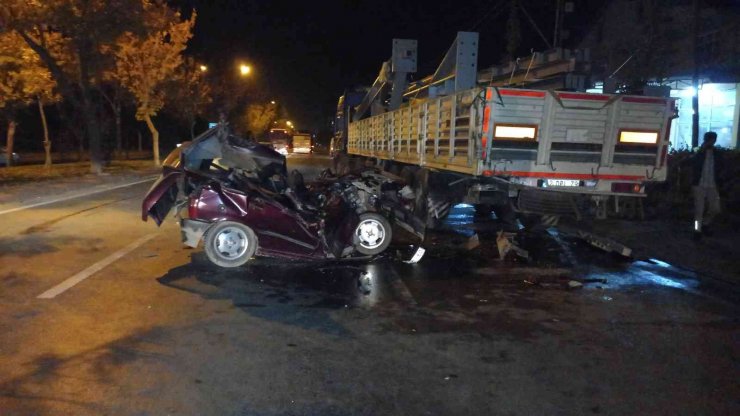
(25, 185)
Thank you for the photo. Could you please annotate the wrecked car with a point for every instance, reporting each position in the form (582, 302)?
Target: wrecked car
(240, 201)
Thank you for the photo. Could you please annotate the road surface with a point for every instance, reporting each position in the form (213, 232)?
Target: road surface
(103, 314)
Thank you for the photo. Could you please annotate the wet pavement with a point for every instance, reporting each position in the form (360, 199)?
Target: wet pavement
(161, 331)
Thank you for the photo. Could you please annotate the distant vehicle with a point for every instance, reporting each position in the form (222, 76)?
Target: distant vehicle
(347, 102)
(281, 140)
(4, 157)
(302, 143)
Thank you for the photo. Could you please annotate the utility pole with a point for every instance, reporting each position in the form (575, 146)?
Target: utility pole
(695, 79)
(558, 22)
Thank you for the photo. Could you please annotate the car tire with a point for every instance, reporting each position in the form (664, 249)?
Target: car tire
(372, 234)
(230, 244)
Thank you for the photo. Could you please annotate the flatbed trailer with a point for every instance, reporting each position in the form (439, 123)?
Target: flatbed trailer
(537, 147)
(540, 151)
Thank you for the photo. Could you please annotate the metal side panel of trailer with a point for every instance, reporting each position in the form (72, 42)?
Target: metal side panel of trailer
(577, 135)
(441, 133)
(550, 135)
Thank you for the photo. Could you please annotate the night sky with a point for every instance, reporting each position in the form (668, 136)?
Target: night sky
(306, 53)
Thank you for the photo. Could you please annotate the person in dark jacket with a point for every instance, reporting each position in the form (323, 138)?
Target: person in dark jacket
(705, 165)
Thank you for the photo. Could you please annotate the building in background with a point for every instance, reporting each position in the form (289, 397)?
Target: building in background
(646, 46)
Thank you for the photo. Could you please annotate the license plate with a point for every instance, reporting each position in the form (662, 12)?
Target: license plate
(563, 182)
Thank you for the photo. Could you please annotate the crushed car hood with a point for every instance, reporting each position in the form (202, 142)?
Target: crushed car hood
(232, 152)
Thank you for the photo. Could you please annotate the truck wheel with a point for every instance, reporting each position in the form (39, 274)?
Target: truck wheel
(372, 234)
(340, 164)
(505, 213)
(407, 173)
(483, 210)
(230, 244)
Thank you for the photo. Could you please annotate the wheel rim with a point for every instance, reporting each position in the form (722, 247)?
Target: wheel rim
(370, 233)
(231, 243)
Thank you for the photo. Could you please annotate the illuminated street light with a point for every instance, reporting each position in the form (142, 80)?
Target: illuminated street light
(203, 68)
(273, 102)
(244, 69)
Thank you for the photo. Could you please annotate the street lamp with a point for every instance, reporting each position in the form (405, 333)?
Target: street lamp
(244, 69)
(203, 68)
(273, 102)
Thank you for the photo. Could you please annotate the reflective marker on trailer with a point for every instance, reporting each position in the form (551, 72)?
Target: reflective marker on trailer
(638, 137)
(514, 132)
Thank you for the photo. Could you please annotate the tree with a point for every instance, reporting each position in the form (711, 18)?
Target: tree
(23, 79)
(639, 41)
(259, 117)
(113, 95)
(87, 28)
(145, 62)
(190, 93)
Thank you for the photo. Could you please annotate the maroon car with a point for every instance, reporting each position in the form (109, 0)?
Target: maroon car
(241, 203)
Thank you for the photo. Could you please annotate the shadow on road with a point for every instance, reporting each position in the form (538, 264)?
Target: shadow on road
(37, 390)
(302, 294)
(33, 244)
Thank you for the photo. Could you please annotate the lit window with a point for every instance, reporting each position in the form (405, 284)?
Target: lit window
(514, 132)
(638, 137)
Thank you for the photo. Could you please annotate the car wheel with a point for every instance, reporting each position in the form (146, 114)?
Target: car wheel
(230, 244)
(372, 234)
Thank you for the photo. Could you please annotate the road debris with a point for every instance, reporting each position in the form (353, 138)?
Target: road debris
(506, 245)
(600, 242)
(471, 242)
(418, 254)
(574, 284)
(605, 243)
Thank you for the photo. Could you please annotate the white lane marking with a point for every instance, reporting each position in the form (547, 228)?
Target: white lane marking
(97, 191)
(77, 278)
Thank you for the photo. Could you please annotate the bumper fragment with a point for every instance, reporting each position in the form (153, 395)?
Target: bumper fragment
(192, 231)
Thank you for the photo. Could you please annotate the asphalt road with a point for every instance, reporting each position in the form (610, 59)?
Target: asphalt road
(103, 314)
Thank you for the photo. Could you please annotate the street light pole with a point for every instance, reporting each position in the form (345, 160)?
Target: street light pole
(695, 79)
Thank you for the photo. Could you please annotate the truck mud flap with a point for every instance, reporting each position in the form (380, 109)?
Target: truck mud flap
(546, 202)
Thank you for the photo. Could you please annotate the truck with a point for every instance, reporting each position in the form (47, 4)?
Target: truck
(507, 149)
(302, 142)
(281, 140)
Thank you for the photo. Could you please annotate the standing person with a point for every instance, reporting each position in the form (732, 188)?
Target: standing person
(704, 164)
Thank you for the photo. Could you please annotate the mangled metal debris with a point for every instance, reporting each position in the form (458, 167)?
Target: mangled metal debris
(600, 242)
(605, 243)
(506, 245)
(472, 242)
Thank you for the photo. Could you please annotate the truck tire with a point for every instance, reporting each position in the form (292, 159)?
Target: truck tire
(430, 207)
(340, 164)
(483, 210)
(505, 213)
(408, 175)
